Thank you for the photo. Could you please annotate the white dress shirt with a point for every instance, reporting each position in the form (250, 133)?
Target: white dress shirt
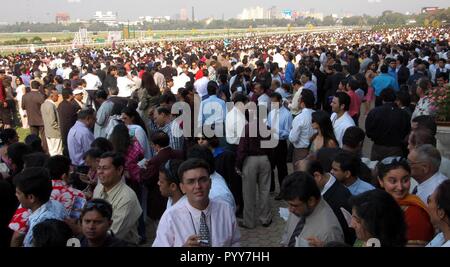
(329, 184)
(302, 131)
(340, 125)
(182, 221)
(220, 191)
(92, 81)
(234, 126)
(425, 189)
(126, 86)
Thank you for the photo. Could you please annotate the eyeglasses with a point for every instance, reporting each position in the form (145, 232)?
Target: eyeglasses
(200, 180)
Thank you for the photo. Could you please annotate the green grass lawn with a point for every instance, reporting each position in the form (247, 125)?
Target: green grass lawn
(22, 133)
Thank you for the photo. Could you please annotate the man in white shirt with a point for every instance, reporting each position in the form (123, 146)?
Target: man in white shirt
(235, 121)
(425, 161)
(302, 131)
(198, 221)
(92, 81)
(439, 210)
(201, 85)
(340, 118)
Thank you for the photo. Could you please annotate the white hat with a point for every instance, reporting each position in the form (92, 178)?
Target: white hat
(77, 91)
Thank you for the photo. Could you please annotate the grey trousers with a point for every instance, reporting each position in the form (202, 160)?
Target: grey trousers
(256, 182)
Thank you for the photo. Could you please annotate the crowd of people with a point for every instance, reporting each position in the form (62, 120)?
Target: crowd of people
(186, 137)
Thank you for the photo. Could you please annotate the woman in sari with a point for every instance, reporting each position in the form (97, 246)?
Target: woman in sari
(394, 176)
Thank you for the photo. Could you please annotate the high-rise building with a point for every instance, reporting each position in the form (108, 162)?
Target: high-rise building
(252, 13)
(183, 14)
(109, 18)
(193, 14)
(62, 18)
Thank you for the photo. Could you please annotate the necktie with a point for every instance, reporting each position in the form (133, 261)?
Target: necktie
(414, 192)
(298, 229)
(204, 231)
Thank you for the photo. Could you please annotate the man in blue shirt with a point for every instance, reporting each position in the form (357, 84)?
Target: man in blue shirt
(345, 168)
(80, 136)
(290, 69)
(213, 110)
(383, 81)
(33, 190)
(280, 122)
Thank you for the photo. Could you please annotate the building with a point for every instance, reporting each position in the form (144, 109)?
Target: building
(109, 18)
(272, 13)
(252, 13)
(62, 18)
(183, 14)
(150, 19)
(430, 10)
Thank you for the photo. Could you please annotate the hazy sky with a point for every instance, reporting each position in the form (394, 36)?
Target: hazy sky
(45, 10)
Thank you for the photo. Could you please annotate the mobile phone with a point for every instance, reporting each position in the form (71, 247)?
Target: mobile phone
(203, 243)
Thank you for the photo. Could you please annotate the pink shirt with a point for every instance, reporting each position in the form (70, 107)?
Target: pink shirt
(355, 103)
(182, 220)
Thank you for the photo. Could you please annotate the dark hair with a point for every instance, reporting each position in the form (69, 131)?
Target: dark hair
(101, 94)
(326, 127)
(212, 88)
(57, 166)
(120, 139)
(190, 164)
(277, 96)
(160, 138)
(307, 97)
(102, 144)
(16, 153)
(34, 142)
(148, 83)
(314, 166)
(388, 95)
(167, 97)
(86, 113)
(51, 233)
(117, 159)
(7, 135)
(381, 216)
(203, 153)
(443, 75)
(354, 84)
(344, 99)
(427, 122)
(35, 85)
(240, 97)
(348, 162)
(391, 163)
(384, 68)
(34, 181)
(35, 159)
(100, 205)
(353, 136)
(134, 115)
(299, 185)
(163, 110)
(443, 197)
(404, 98)
(170, 169)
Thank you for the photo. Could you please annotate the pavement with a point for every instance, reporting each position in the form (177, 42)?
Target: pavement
(268, 236)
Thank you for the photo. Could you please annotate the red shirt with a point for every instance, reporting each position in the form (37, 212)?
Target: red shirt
(355, 103)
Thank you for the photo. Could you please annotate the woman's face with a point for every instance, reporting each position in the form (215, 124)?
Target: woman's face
(127, 119)
(358, 224)
(315, 125)
(18, 82)
(397, 183)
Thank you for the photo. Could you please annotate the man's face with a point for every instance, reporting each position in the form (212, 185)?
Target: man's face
(441, 82)
(94, 226)
(258, 90)
(441, 64)
(338, 173)
(159, 118)
(25, 200)
(108, 174)
(393, 64)
(164, 185)
(196, 184)
(335, 107)
(79, 97)
(434, 211)
(418, 168)
(299, 208)
(54, 96)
